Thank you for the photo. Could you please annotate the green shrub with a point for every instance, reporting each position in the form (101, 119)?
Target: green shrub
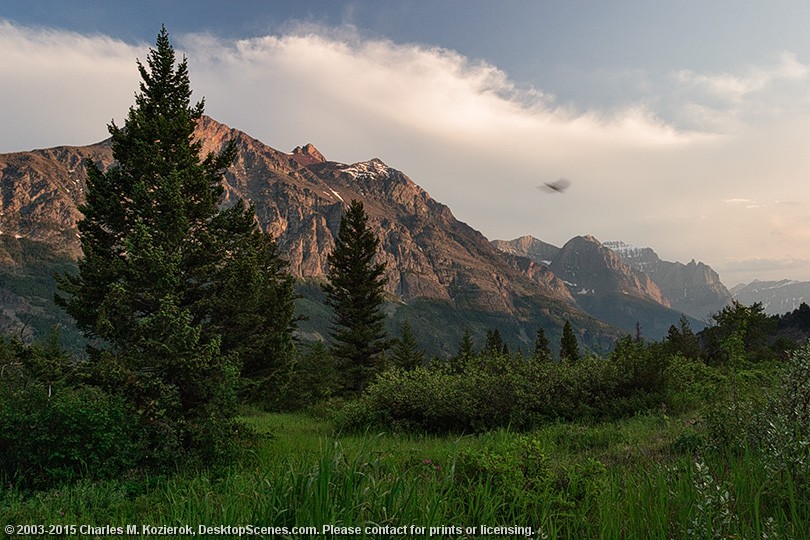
(52, 434)
(492, 391)
(518, 467)
(514, 465)
(691, 383)
(775, 426)
(421, 399)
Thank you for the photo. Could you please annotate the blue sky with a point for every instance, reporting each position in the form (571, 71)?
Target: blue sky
(683, 126)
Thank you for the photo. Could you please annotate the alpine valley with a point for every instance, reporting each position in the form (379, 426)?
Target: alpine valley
(443, 275)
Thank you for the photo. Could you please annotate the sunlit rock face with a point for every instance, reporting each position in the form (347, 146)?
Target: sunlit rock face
(693, 288)
(299, 198)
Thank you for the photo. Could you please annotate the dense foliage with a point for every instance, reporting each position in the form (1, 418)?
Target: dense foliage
(489, 391)
(52, 427)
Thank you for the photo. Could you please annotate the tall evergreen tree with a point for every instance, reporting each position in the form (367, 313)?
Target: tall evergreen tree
(159, 265)
(406, 353)
(569, 348)
(681, 340)
(542, 350)
(494, 344)
(466, 351)
(355, 292)
(251, 305)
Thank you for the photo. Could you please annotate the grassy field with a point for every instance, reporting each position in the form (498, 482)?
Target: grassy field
(644, 477)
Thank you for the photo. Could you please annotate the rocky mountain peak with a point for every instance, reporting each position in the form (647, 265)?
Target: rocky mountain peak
(776, 297)
(588, 267)
(372, 169)
(307, 155)
(590, 239)
(693, 288)
(530, 247)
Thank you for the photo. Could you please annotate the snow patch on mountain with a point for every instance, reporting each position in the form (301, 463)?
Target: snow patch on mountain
(366, 169)
(336, 194)
(776, 297)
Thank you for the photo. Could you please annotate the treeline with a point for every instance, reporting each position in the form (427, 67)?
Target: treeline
(478, 390)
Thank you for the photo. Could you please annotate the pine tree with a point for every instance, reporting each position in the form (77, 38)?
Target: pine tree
(251, 305)
(542, 350)
(406, 353)
(569, 349)
(494, 344)
(159, 268)
(466, 348)
(466, 352)
(355, 292)
(681, 340)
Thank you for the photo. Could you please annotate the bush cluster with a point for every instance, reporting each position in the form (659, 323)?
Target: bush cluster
(778, 429)
(490, 391)
(63, 418)
(53, 428)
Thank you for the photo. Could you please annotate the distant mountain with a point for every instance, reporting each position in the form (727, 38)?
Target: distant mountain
(590, 268)
(602, 284)
(442, 274)
(776, 297)
(530, 247)
(694, 289)
(613, 291)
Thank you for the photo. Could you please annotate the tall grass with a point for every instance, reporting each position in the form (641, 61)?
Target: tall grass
(551, 480)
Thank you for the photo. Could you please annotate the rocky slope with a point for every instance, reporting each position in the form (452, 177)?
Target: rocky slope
(589, 268)
(40, 191)
(613, 291)
(27, 270)
(694, 288)
(529, 246)
(300, 197)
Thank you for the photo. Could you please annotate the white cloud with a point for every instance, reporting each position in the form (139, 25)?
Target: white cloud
(747, 203)
(729, 102)
(62, 87)
(738, 201)
(421, 89)
(735, 87)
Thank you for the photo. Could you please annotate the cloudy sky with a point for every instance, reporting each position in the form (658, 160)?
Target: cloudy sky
(683, 126)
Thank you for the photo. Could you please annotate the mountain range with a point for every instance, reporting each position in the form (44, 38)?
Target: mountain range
(606, 285)
(694, 288)
(443, 275)
(776, 297)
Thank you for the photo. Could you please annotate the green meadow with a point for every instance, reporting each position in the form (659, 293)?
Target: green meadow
(645, 477)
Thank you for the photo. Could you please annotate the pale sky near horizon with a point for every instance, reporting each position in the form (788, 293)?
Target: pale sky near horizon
(682, 126)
